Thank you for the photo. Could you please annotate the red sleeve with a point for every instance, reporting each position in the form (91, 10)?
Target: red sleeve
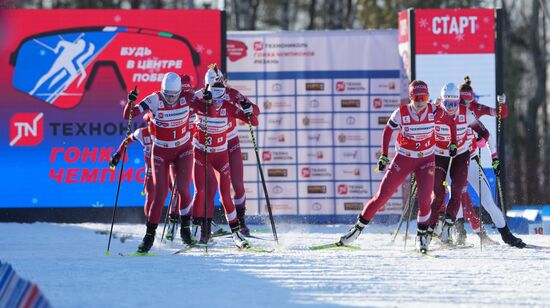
(239, 114)
(195, 102)
(480, 129)
(129, 141)
(127, 108)
(237, 97)
(481, 110)
(386, 138)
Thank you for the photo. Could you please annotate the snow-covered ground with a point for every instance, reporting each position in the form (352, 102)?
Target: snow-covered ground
(69, 264)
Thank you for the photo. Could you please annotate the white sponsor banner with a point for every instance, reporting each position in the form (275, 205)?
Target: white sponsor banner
(316, 207)
(316, 91)
(280, 206)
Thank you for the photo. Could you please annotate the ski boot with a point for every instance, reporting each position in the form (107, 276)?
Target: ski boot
(460, 232)
(205, 231)
(172, 227)
(240, 216)
(485, 239)
(447, 231)
(148, 239)
(185, 231)
(238, 237)
(423, 240)
(354, 232)
(439, 226)
(510, 239)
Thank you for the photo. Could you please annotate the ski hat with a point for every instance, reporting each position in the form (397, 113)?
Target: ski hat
(450, 93)
(185, 82)
(171, 87)
(466, 91)
(418, 87)
(213, 74)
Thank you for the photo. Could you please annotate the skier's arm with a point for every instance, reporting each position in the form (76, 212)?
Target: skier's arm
(136, 109)
(394, 122)
(115, 159)
(246, 114)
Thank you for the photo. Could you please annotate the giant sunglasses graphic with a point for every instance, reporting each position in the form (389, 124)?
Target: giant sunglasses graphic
(57, 67)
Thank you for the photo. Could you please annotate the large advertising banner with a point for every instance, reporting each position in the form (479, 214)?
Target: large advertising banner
(325, 98)
(65, 78)
(450, 44)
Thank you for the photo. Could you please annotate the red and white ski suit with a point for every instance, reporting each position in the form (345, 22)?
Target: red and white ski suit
(414, 153)
(171, 145)
(211, 127)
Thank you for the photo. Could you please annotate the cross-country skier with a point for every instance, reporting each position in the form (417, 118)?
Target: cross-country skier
(210, 142)
(171, 144)
(416, 123)
(487, 201)
(456, 166)
(234, 147)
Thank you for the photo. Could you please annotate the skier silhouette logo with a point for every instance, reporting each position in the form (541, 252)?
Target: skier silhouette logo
(58, 67)
(68, 65)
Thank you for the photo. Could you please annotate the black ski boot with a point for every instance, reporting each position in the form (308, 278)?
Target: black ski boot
(185, 231)
(510, 239)
(206, 231)
(148, 239)
(240, 215)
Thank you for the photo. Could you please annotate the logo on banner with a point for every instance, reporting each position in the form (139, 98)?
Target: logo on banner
(277, 189)
(340, 86)
(277, 87)
(316, 206)
(258, 45)
(277, 172)
(244, 156)
(343, 189)
(350, 120)
(316, 189)
(315, 86)
(26, 129)
(350, 103)
(268, 105)
(384, 120)
(377, 103)
(353, 206)
(306, 121)
(266, 155)
(236, 50)
(306, 172)
(314, 103)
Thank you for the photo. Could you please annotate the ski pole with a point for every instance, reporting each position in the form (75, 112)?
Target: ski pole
(480, 212)
(270, 212)
(411, 198)
(128, 127)
(174, 193)
(405, 208)
(206, 142)
(499, 186)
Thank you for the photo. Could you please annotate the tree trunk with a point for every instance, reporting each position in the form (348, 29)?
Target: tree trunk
(311, 11)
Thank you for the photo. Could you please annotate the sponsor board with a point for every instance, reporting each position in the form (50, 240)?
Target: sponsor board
(279, 206)
(351, 120)
(245, 87)
(279, 121)
(350, 206)
(351, 86)
(276, 104)
(352, 189)
(275, 87)
(351, 103)
(376, 137)
(276, 138)
(316, 189)
(352, 172)
(281, 189)
(316, 207)
(315, 172)
(280, 172)
(351, 137)
(314, 120)
(313, 87)
(278, 155)
(315, 155)
(352, 155)
(314, 103)
(385, 103)
(385, 86)
(315, 138)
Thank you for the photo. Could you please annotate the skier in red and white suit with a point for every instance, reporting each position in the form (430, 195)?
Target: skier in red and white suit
(210, 142)
(171, 144)
(488, 203)
(457, 166)
(414, 153)
(234, 147)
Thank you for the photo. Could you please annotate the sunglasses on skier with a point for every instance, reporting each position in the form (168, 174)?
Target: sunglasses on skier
(420, 98)
(450, 103)
(57, 67)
